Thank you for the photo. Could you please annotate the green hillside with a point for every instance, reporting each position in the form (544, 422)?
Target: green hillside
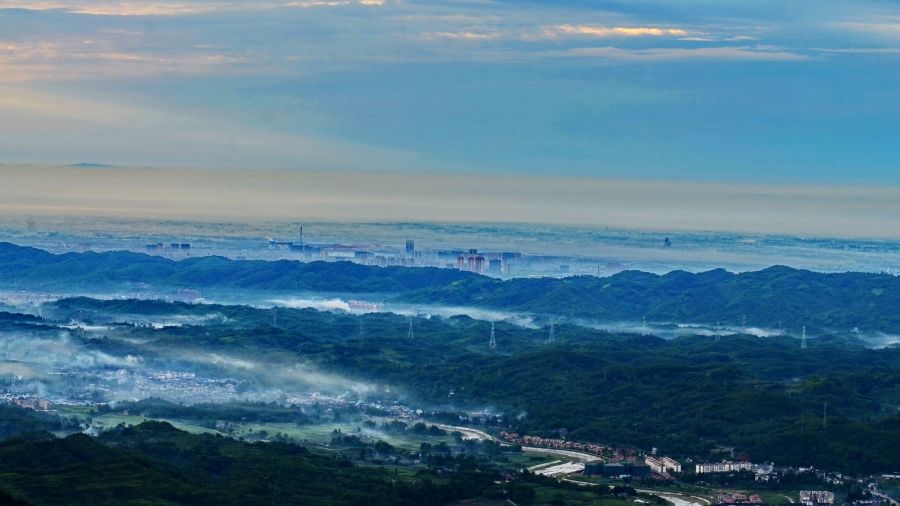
(156, 464)
(777, 297)
(34, 269)
(686, 396)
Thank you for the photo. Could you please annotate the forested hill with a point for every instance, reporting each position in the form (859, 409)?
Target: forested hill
(777, 297)
(34, 269)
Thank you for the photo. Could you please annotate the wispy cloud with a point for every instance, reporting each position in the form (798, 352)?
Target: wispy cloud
(618, 31)
(662, 54)
(157, 8)
(470, 36)
(861, 50)
(882, 25)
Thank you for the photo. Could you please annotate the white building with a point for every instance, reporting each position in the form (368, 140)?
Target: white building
(655, 465)
(813, 497)
(723, 467)
(671, 464)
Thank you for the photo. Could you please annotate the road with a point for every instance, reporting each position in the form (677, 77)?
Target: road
(581, 457)
(468, 432)
(676, 498)
(879, 494)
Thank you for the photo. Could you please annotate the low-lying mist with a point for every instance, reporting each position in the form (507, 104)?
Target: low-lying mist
(94, 364)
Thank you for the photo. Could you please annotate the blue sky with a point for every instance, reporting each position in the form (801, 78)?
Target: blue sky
(798, 92)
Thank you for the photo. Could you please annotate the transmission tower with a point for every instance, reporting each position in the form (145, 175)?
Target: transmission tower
(744, 325)
(552, 335)
(644, 327)
(717, 332)
(803, 339)
(410, 333)
(274, 317)
(825, 416)
(493, 343)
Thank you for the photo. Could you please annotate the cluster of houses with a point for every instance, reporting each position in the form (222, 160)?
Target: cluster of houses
(31, 403)
(562, 444)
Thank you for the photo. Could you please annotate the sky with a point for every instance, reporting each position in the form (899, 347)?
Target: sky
(762, 92)
(259, 196)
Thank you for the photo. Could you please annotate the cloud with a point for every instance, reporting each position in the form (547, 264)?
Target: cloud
(470, 36)
(76, 59)
(664, 54)
(156, 8)
(619, 31)
(883, 26)
(870, 50)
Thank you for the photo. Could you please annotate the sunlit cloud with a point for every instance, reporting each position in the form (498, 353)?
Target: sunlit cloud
(619, 31)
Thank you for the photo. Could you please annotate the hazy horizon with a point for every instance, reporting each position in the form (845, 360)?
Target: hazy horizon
(296, 196)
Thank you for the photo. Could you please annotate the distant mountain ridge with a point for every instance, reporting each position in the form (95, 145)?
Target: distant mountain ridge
(777, 297)
(36, 269)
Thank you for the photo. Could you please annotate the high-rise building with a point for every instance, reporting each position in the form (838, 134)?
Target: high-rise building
(461, 263)
(479, 265)
(495, 267)
(410, 246)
